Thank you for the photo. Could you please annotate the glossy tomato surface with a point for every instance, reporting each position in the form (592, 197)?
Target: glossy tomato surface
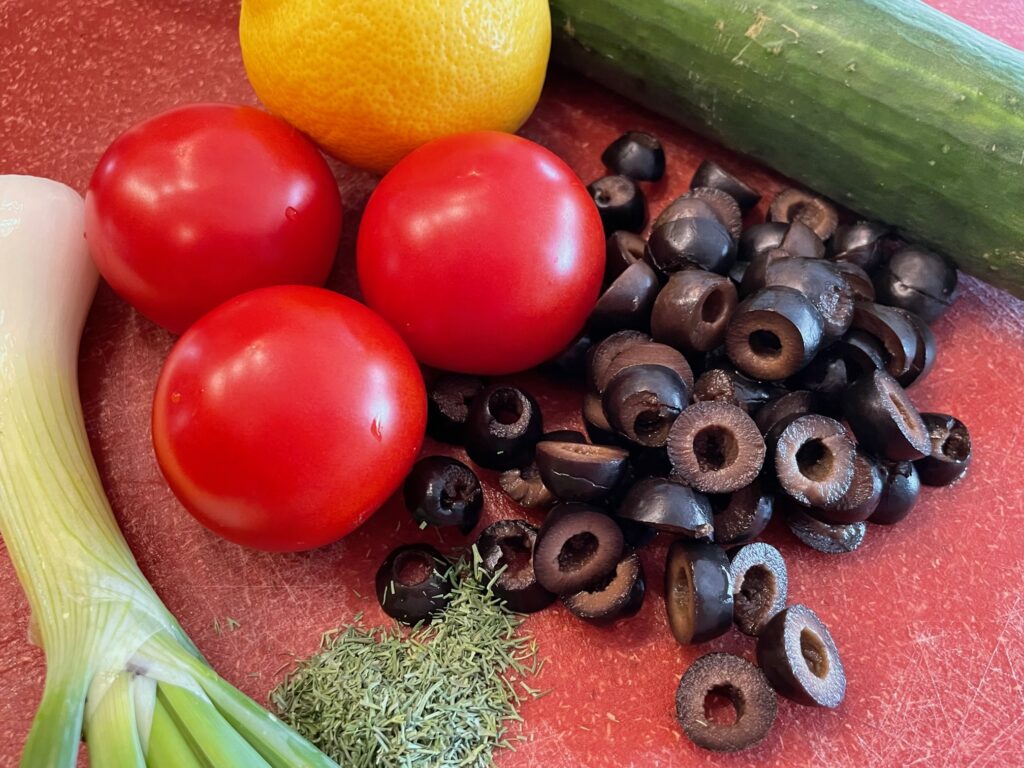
(484, 250)
(204, 202)
(285, 417)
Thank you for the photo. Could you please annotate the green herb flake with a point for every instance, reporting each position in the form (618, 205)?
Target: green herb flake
(442, 694)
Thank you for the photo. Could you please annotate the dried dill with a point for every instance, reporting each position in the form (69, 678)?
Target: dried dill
(437, 695)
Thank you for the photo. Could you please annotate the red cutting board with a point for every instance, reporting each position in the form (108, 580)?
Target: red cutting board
(928, 615)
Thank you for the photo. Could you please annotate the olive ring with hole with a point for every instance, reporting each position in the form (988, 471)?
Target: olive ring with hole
(618, 596)
(444, 492)
(800, 659)
(643, 401)
(503, 428)
(774, 333)
(716, 447)
(412, 583)
(742, 687)
(578, 545)
(759, 586)
(507, 547)
(950, 453)
(698, 591)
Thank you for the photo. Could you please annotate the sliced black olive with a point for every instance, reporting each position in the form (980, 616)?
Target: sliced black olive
(503, 428)
(927, 350)
(711, 174)
(859, 244)
(797, 205)
(950, 453)
(862, 353)
(786, 408)
(617, 596)
(601, 355)
(760, 583)
(668, 507)
(647, 353)
(689, 243)
(685, 207)
(884, 420)
(716, 447)
(742, 516)
(448, 401)
(727, 385)
(571, 362)
(412, 583)
(919, 281)
(443, 491)
(748, 702)
(801, 241)
(774, 333)
(509, 544)
(637, 155)
(755, 277)
(525, 486)
(799, 657)
(821, 536)
(857, 279)
(760, 238)
(827, 375)
(861, 499)
(726, 209)
(623, 250)
(620, 202)
(698, 592)
(642, 401)
(901, 487)
(627, 302)
(821, 284)
(894, 329)
(813, 459)
(581, 472)
(577, 546)
(693, 310)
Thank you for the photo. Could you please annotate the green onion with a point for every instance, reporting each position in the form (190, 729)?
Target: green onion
(118, 663)
(440, 694)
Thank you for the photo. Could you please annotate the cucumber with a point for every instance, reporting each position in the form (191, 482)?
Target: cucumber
(887, 106)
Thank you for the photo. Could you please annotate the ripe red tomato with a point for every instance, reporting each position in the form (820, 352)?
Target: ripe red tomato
(199, 204)
(484, 251)
(286, 416)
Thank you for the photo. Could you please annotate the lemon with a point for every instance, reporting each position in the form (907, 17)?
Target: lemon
(371, 80)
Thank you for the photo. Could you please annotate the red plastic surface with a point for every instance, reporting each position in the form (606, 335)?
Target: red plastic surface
(928, 615)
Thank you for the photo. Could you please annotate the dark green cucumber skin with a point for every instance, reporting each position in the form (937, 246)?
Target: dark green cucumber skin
(887, 106)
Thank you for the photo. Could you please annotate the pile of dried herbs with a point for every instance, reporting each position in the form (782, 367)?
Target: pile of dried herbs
(437, 695)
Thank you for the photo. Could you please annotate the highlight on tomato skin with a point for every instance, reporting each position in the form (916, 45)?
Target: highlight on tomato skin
(485, 252)
(201, 203)
(285, 417)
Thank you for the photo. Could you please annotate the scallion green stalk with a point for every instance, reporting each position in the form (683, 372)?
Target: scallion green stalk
(107, 636)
